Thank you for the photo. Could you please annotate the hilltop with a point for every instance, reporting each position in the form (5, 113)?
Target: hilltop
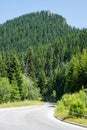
(32, 29)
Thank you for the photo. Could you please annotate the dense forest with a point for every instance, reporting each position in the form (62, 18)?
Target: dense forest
(41, 56)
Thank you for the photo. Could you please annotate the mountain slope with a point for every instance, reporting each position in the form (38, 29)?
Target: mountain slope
(32, 29)
(45, 45)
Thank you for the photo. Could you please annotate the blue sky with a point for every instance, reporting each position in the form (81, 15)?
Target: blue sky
(75, 11)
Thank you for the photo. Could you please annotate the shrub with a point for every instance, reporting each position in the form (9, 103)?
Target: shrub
(77, 108)
(5, 90)
(34, 93)
(67, 99)
(60, 109)
(83, 96)
(60, 106)
(73, 104)
(30, 90)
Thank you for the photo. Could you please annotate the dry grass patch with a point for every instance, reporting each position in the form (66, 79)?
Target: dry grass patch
(21, 104)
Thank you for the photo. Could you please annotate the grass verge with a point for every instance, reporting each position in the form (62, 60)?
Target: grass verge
(64, 116)
(21, 104)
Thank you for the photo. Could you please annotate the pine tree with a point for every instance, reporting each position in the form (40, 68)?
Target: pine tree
(42, 81)
(49, 62)
(15, 95)
(14, 71)
(2, 66)
(29, 64)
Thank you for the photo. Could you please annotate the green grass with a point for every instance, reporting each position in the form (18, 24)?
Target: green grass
(80, 121)
(21, 104)
(64, 115)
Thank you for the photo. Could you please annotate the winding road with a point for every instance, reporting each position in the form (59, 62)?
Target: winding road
(33, 118)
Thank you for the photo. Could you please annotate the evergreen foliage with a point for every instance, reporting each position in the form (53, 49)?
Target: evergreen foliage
(32, 29)
(15, 95)
(51, 54)
(77, 73)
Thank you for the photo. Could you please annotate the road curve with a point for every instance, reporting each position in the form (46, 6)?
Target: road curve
(33, 118)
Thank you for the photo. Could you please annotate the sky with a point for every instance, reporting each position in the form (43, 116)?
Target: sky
(74, 11)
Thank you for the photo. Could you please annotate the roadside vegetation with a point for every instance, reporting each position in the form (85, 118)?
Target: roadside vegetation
(41, 56)
(9, 92)
(73, 107)
(21, 103)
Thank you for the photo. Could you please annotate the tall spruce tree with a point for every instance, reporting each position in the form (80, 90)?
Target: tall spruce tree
(29, 64)
(14, 71)
(15, 95)
(2, 66)
(49, 62)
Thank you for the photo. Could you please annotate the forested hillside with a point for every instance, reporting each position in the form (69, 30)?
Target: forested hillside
(32, 29)
(41, 55)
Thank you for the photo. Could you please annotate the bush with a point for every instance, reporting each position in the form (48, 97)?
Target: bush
(30, 90)
(60, 109)
(5, 90)
(83, 96)
(77, 108)
(34, 93)
(74, 104)
(67, 99)
(60, 106)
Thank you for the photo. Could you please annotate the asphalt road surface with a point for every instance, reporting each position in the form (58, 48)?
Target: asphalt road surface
(33, 118)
